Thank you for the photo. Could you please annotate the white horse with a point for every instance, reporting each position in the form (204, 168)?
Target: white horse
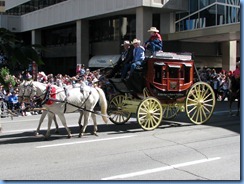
(66, 101)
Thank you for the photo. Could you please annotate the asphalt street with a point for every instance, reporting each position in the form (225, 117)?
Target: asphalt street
(176, 150)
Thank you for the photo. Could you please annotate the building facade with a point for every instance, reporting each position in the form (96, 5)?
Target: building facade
(75, 30)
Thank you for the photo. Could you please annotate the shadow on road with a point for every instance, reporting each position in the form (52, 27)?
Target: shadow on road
(220, 118)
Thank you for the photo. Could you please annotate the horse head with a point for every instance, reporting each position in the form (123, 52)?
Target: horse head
(27, 91)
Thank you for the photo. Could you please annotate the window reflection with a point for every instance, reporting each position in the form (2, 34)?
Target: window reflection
(207, 13)
(32, 5)
(59, 36)
(113, 29)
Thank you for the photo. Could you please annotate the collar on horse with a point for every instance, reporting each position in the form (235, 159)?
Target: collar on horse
(50, 95)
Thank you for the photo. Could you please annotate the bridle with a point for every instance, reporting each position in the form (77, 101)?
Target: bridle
(28, 87)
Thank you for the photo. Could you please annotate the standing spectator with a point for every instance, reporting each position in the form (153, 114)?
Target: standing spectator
(237, 71)
(224, 85)
(59, 81)
(78, 68)
(41, 77)
(215, 82)
(23, 109)
(28, 76)
(2, 92)
(154, 43)
(82, 69)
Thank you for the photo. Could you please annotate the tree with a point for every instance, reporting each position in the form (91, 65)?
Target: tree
(6, 78)
(15, 53)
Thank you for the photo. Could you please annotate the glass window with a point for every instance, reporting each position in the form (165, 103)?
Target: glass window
(221, 15)
(113, 28)
(221, 1)
(60, 36)
(204, 3)
(217, 14)
(193, 5)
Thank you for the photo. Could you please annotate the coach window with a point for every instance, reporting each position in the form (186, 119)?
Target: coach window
(174, 71)
(187, 69)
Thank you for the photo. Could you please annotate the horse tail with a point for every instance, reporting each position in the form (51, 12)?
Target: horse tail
(103, 103)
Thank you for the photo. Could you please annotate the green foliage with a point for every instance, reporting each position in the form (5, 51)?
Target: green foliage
(17, 52)
(6, 78)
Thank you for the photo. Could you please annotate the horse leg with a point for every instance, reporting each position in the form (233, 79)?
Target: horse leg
(40, 122)
(86, 118)
(63, 120)
(56, 124)
(93, 116)
(50, 117)
(79, 121)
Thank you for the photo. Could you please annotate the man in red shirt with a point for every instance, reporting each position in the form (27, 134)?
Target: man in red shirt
(154, 43)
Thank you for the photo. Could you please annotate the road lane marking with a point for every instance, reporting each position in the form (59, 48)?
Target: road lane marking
(16, 131)
(18, 121)
(159, 169)
(83, 142)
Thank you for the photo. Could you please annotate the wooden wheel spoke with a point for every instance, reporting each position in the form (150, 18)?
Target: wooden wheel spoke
(192, 104)
(206, 109)
(143, 117)
(206, 92)
(210, 100)
(206, 97)
(194, 95)
(193, 109)
(208, 105)
(197, 114)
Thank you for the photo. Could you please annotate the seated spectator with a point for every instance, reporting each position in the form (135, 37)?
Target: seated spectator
(13, 101)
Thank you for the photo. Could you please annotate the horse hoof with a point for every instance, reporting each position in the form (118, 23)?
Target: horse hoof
(36, 134)
(69, 136)
(45, 138)
(95, 133)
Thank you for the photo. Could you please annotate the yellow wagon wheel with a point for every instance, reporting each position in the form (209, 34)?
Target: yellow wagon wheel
(149, 113)
(200, 102)
(115, 110)
(170, 111)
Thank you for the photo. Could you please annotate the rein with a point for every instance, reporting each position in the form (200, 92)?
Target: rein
(47, 98)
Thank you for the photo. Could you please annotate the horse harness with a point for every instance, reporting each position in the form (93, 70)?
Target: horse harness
(48, 97)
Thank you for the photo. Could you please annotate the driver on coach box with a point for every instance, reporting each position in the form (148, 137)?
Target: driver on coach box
(125, 58)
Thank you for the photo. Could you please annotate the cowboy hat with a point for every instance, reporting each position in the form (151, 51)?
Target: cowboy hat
(135, 41)
(126, 42)
(153, 29)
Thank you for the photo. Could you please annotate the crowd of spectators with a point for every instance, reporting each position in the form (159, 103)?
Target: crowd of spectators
(219, 81)
(10, 95)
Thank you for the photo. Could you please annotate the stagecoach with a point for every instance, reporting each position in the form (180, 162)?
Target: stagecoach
(163, 87)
